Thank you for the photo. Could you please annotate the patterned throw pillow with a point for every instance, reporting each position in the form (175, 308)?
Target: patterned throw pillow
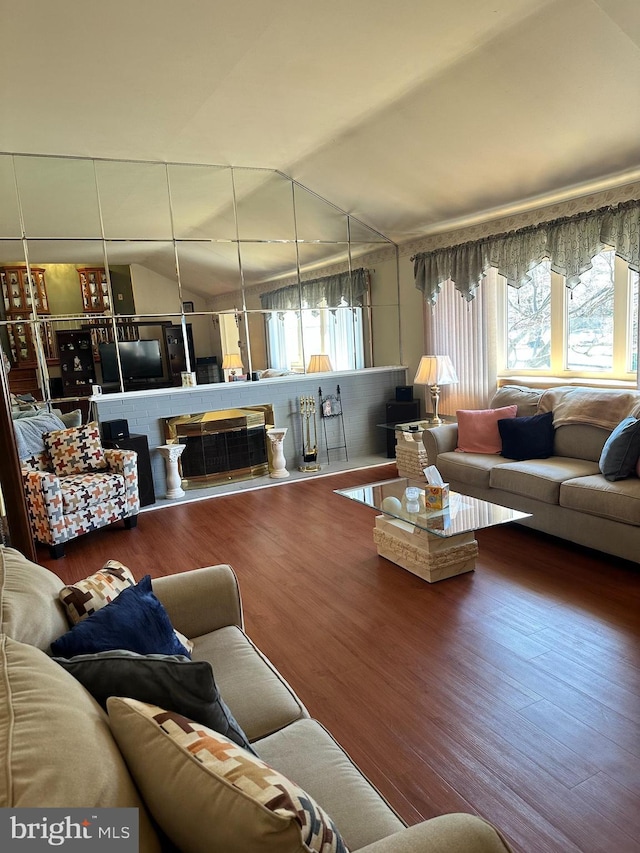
(88, 595)
(76, 450)
(209, 794)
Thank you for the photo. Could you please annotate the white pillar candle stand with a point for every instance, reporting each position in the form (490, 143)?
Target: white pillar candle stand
(278, 462)
(171, 454)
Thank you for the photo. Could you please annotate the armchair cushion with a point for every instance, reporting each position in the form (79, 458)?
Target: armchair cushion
(90, 490)
(77, 450)
(135, 620)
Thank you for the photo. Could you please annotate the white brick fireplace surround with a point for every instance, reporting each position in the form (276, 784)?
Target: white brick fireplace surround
(364, 394)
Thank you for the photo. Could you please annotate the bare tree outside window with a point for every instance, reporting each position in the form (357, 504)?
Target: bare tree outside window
(590, 317)
(529, 322)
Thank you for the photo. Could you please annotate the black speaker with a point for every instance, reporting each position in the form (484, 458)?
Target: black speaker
(140, 444)
(404, 393)
(56, 388)
(398, 412)
(115, 430)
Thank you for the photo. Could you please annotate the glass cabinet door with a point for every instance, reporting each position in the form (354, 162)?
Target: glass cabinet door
(95, 290)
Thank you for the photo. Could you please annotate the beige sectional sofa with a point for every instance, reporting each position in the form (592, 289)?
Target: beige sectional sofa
(566, 494)
(58, 748)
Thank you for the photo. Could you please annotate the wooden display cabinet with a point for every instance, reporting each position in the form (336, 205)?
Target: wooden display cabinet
(18, 296)
(77, 370)
(94, 287)
(16, 293)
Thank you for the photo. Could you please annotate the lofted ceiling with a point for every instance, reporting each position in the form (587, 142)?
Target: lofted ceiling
(408, 115)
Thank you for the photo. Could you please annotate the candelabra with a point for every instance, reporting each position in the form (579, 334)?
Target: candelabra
(310, 446)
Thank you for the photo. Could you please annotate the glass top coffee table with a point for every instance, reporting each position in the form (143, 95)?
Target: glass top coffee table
(432, 543)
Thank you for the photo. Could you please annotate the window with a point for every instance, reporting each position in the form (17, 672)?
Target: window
(589, 331)
(294, 336)
(529, 322)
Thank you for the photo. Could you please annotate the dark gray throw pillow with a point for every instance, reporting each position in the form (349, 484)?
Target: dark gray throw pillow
(173, 682)
(621, 450)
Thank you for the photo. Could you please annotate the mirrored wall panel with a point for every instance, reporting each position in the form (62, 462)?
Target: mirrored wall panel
(129, 275)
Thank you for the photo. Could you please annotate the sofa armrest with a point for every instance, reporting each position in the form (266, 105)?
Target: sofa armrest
(201, 600)
(444, 834)
(440, 439)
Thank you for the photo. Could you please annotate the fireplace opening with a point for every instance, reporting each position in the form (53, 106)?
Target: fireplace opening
(230, 444)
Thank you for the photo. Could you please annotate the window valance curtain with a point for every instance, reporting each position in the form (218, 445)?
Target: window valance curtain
(345, 288)
(569, 243)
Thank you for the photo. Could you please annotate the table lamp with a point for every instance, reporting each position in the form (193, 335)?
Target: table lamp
(319, 363)
(231, 361)
(434, 371)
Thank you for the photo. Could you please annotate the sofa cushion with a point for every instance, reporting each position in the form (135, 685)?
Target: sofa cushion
(210, 794)
(30, 608)
(261, 700)
(527, 438)
(618, 501)
(76, 450)
(306, 752)
(580, 441)
(539, 479)
(468, 469)
(56, 731)
(134, 620)
(526, 399)
(478, 429)
(621, 450)
(172, 681)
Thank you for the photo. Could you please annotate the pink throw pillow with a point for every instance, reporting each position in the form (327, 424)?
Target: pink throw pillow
(478, 430)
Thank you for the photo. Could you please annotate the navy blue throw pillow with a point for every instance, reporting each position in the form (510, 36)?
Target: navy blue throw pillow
(527, 438)
(135, 620)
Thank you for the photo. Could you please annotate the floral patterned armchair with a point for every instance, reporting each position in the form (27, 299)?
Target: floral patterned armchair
(75, 486)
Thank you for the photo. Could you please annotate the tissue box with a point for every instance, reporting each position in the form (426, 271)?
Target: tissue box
(436, 497)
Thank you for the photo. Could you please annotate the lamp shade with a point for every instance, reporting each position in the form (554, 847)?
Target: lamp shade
(319, 364)
(435, 370)
(231, 361)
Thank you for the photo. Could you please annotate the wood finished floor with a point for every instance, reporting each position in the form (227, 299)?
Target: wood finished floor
(512, 692)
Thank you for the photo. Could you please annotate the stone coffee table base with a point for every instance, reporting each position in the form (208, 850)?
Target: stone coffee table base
(430, 557)
(411, 457)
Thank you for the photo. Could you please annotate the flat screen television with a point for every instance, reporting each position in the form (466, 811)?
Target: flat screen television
(139, 360)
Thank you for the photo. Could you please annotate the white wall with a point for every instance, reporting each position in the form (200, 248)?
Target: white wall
(157, 294)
